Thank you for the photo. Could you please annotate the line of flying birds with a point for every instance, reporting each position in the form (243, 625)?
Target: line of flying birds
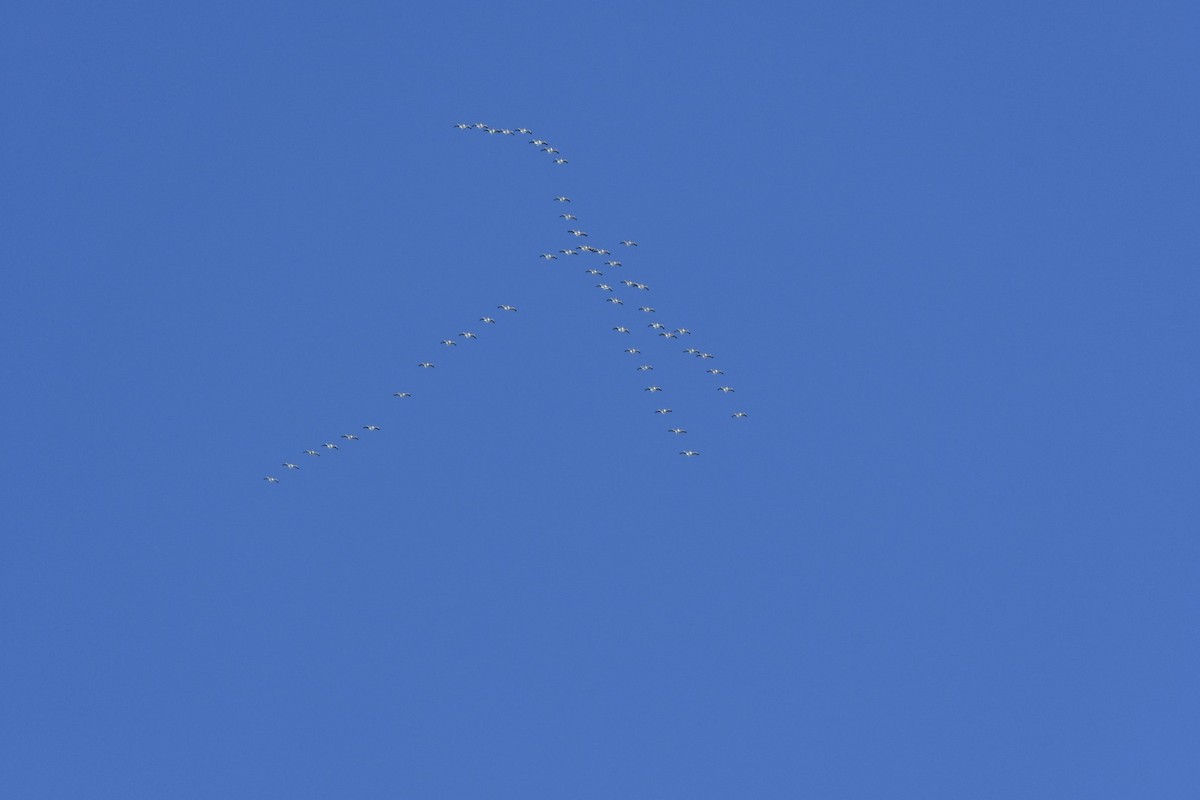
(578, 249)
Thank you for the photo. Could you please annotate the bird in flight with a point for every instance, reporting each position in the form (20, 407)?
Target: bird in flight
(312, 453)
(604, 286)
(549, 150)
(549, 256)
(647, 309)
(690, 350)
(676, 431)
(726, 389)
(656, 325)
(425, 365)
(372, 428)
(682, 330)
(662, 411)
(402, 394)
(612, 263)
(449, 342)
(560, 160)
(688, 453)
(628, 243)
(468, 335)
(705, 355)
(668, 335)
(653, 389)
(539, 142)
(487, 319)
(290, 465)
(271, 479)
(715, 371)
(350, 437)
(577, 233)
(568, 216)
(462, 125)
(616, 301)
(330, 446)
(561, 199)
(645, 368)
(632, 350)
(507, 308)
(525, 131)
(593, 272)
(568, 252)
(739, 414)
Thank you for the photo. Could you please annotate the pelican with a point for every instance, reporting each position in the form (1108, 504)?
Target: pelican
(739, 414)
(524, 131)
(662, 411)
(560, 161)
(691, 350)
(615, 301)
(628, 283)
(562, 199)
(449, 342)
(645, 368)
(549, 150)
(656, 325)
(487, 319)
(653, 389)
(372, 428)
(682, 330)
(715, 371)
(493, 130)
(628, 243)
(568, 216)
(676, 431)
(507, 132)
(642, 286)
(633, 350)
(588, 248)
(705, 355)
(290, 465)
(577, 233)
(726, 389)
(621, 329)
(593, 272)
(539, 142)
(481, 125)
(647, 309)
(312, 453)
(612, 263)
(604, 252)
(271, 479)
(507, 308)
(349, 437)
(688, 453)
(425, 365)
(468, 335)
(568, 252)
(668, 335)
(604, 286)
(462, 126)
(402, 394)
(549, 256)
(330, 446)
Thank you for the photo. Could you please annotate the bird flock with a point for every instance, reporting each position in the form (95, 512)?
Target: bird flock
(601, 257)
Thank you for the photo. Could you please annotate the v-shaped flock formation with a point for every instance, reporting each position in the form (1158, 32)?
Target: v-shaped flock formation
(607, 260)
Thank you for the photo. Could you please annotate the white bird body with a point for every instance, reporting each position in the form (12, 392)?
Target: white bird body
(487, 319)
(726, 389)
(372, 428)
(312, 453)
(653, 389)
(271, 479)
(621, 329)
(632, 350)
(468, 335)
(738, 414)
(290, 465)
(425, 365)
(350, 437)
(330, 446)
(676, 430)
(628, 243)
(688, 453)
(549, 256)
(507, 308)
(612, 263)
(402, 394)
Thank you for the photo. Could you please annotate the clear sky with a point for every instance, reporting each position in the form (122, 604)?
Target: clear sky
(946, 253)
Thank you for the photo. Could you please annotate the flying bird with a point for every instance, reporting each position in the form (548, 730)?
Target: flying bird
(568, 216)
(616, 301)
(464, 126)
(662, 411)
(549, 150)
(372, 428)
(271, 479)
(468, 335)
(612, 263)
(604, 286)
(656, 325)
(525, 131)
(628, 243)
(425, 365)
(560, 161)
(632, 350)
(621, 329)
(715, 371)
(290, 465)
(330, 446)
(676, 431)
(593, 272)
(577, 233)
(539, 142)
(647, 309)
(705, 355)
(726, 389)
(487, 319)
(653, 389)
(549, 256)
(507, 308)
(350, 437)
(568, 252)
(738, 414)
(668, 335)
(562, 199)
(312, 453)
(402, 394)
(688, 453)
(449, 342)
(645, 368)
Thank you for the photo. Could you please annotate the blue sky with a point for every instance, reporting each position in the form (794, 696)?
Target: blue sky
(945, 254)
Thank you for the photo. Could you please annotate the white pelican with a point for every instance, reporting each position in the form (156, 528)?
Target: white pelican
(560, 161)
(715, 371)
(632, 350)
(621, 329)
(612, 263)
(676, 431)
(691, 350)
(462, 125)
(539, 142)
(705, 355)
(642, 286)
(468, 335)
(290, 465)
(312, 453)
(549, 150)
(481, 125)
(628, 243)
(604, 252)
(549, 256)
(656, 325)
(588, 248)
(487, 319)
(524, 131)
(668, 335)
(688, 453)
(271, 479)
(568, 252)
(562, 199)
(402, 394)
(425, 365)
(662, 411)
(449, 342)
(628, 283)
(507, 308)
(568, 216)
(653, 389)
(577, 233)
(507, 132)
(739, 414)
(349, 437)
(330, 446)
(647, 309)
(645, 368)
(372, 428)
(593, 272)
(682, 330)
(616, 301)
(726, 389)
(604, 286)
